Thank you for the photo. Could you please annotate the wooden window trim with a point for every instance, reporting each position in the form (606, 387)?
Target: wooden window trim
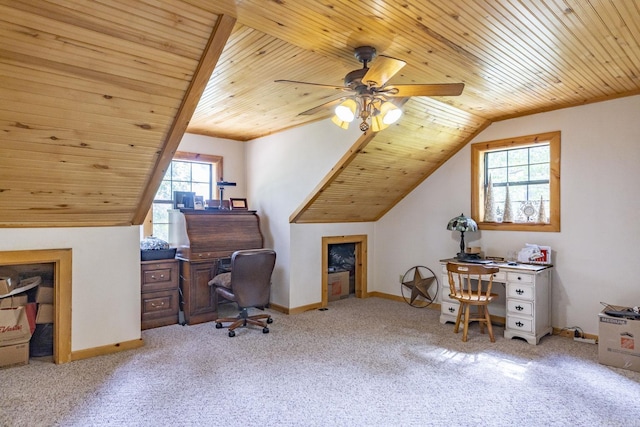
(478, 178)
(204, 158)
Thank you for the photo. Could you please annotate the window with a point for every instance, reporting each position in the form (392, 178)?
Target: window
(187, 172)
(526, 168)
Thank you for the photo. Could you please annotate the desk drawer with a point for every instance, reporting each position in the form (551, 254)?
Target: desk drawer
(158, 276)
(520, 307)
(519, 324)
(450, 308)
(520, 277)
(159, 304)
(520, 291)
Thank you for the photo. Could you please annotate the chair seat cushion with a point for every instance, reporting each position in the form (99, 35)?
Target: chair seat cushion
(222, 280)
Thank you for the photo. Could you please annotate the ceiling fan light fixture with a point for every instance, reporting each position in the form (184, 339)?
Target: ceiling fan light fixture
(340, 123)
(390, 113)
(346, 111)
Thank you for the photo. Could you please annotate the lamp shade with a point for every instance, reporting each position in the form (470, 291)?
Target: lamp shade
(346, 111)
(462, 223)
(390, 113)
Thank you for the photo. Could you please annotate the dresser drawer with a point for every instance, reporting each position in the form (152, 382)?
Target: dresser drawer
(157, 276)
(520, 291)
(520, 307)
(519, 324)
(449, 308)
(159, 304)
(519, 277)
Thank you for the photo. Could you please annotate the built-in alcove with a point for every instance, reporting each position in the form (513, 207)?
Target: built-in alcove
(55, 266)
(349, 254)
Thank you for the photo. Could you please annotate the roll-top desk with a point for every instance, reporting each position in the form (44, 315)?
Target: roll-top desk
(202, 239)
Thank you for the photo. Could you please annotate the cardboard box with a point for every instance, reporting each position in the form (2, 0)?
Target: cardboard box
(13, 301)
(619, 342)
(338, 285)
(6, 285)
(44, 295)
(14, 355)
(14, 326)
(45, 313)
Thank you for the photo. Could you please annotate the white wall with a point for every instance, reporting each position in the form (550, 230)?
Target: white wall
(595, 252)
(233, 163)
(105, 278)
(283, 170)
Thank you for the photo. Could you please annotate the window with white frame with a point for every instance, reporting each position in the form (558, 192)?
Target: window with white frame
(516, 183)
(187, 172)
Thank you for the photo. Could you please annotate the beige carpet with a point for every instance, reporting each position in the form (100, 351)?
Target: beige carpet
(363, 362)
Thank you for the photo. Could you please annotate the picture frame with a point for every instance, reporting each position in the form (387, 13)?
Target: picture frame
(238, 204)
(198, 203)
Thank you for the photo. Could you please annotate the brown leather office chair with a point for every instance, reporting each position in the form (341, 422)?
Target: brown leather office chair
(470, 285)
(249, 285)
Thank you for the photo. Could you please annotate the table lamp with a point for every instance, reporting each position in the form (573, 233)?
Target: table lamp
(462, 223)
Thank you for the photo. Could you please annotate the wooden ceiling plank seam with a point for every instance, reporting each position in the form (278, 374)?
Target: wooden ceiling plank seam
(20, 131)
(211, 54)
(63, 103)
(28, 120)
(586, 43)
(88, 73)
(17, 86)
(86, 16)
(84, 58)
(510, 29)
(628, 62)
(11, 70)
(78, 116)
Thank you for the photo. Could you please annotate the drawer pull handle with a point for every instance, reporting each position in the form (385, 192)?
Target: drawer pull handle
(519, 324)
(451, 309)
(519, 307)
(519, 278)
(162, 276)
(154, 305)
(519, 291)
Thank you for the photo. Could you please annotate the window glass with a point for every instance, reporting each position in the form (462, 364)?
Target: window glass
(527, 169)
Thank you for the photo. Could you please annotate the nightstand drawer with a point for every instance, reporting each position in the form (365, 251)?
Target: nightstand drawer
(520, 307)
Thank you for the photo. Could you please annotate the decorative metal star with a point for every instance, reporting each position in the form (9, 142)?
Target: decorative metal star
(419, 286)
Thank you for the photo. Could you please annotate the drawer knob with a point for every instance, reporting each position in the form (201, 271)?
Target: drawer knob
(519, 278)
(519, 291)
(162, 276)
(153, 277)
(519, 307)
(519, 324)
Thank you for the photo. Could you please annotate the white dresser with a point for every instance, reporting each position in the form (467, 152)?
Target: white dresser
(527, 299)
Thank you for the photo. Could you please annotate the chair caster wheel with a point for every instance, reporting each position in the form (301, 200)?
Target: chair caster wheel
(269, 320)
(265, 330)
(232, 334)
(218, 325)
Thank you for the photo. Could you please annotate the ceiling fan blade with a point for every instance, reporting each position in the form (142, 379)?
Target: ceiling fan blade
(441, 89)
(322, 107)
(382, 69)
(313, 84)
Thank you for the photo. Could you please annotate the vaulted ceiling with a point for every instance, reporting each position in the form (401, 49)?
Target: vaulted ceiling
(97, 94)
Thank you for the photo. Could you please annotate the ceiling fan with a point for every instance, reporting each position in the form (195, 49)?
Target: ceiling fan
(370, 98)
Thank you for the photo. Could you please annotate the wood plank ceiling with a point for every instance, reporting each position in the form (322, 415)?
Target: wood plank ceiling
(96, 94)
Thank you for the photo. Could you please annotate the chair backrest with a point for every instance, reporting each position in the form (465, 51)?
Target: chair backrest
(251, 276)
(470, 281)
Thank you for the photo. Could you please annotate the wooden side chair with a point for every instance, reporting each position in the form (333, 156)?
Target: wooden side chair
(470, 285)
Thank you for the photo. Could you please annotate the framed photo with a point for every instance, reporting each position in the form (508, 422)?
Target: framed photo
(198, 203)
(238, 204)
